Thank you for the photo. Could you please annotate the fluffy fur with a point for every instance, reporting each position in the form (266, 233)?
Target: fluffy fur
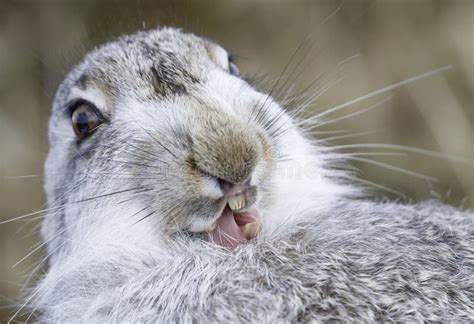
(128, 205)
(364, 262)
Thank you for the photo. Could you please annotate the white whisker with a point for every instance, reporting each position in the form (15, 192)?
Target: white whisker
(393, 168)
(332, 121)
(333, 138)
(406, 149)
(378, 186)
(384, 89)
(24, 176)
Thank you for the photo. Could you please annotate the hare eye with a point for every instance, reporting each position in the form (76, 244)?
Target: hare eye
(85, 120)
(233, 69)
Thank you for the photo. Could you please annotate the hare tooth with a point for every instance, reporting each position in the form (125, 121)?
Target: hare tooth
(237, 202)
(249, 230)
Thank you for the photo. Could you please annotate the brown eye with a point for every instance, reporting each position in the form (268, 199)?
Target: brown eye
(85, 120)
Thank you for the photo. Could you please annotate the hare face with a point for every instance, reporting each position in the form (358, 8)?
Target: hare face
(155, 134)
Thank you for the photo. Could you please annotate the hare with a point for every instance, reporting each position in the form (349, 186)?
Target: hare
(177, 192)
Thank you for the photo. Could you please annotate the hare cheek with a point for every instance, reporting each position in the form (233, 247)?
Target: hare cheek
(210, 188)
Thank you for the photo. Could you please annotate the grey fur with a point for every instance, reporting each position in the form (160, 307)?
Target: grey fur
(367, 262)
(124, 242)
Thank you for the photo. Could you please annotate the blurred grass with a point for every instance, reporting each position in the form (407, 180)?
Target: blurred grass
(388, 40)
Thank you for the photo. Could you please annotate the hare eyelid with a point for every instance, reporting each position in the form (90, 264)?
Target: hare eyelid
(73, 104)
(91, 95)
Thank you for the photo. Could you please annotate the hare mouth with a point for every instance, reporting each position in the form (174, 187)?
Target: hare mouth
(234, 228)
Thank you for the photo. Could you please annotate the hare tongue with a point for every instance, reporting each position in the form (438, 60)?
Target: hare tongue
(227, 233)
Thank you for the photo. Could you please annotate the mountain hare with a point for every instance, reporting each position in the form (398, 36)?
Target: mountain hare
(177, 192)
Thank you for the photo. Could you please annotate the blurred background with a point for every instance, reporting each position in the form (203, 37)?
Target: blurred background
(342, 50)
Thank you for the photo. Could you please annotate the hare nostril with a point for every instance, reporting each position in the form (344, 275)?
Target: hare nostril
(225, 186)
(230, 189)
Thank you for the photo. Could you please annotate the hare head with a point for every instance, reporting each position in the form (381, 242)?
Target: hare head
(155, 134)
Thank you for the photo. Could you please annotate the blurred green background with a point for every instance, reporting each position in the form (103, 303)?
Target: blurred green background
(358, 46)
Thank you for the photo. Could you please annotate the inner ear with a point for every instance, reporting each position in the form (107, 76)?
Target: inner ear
(218, 55)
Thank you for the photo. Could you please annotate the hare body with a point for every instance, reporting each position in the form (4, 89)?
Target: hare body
(130, 206)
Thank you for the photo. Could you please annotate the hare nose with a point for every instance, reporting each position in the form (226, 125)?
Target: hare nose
(233, 189)
(225, 147)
